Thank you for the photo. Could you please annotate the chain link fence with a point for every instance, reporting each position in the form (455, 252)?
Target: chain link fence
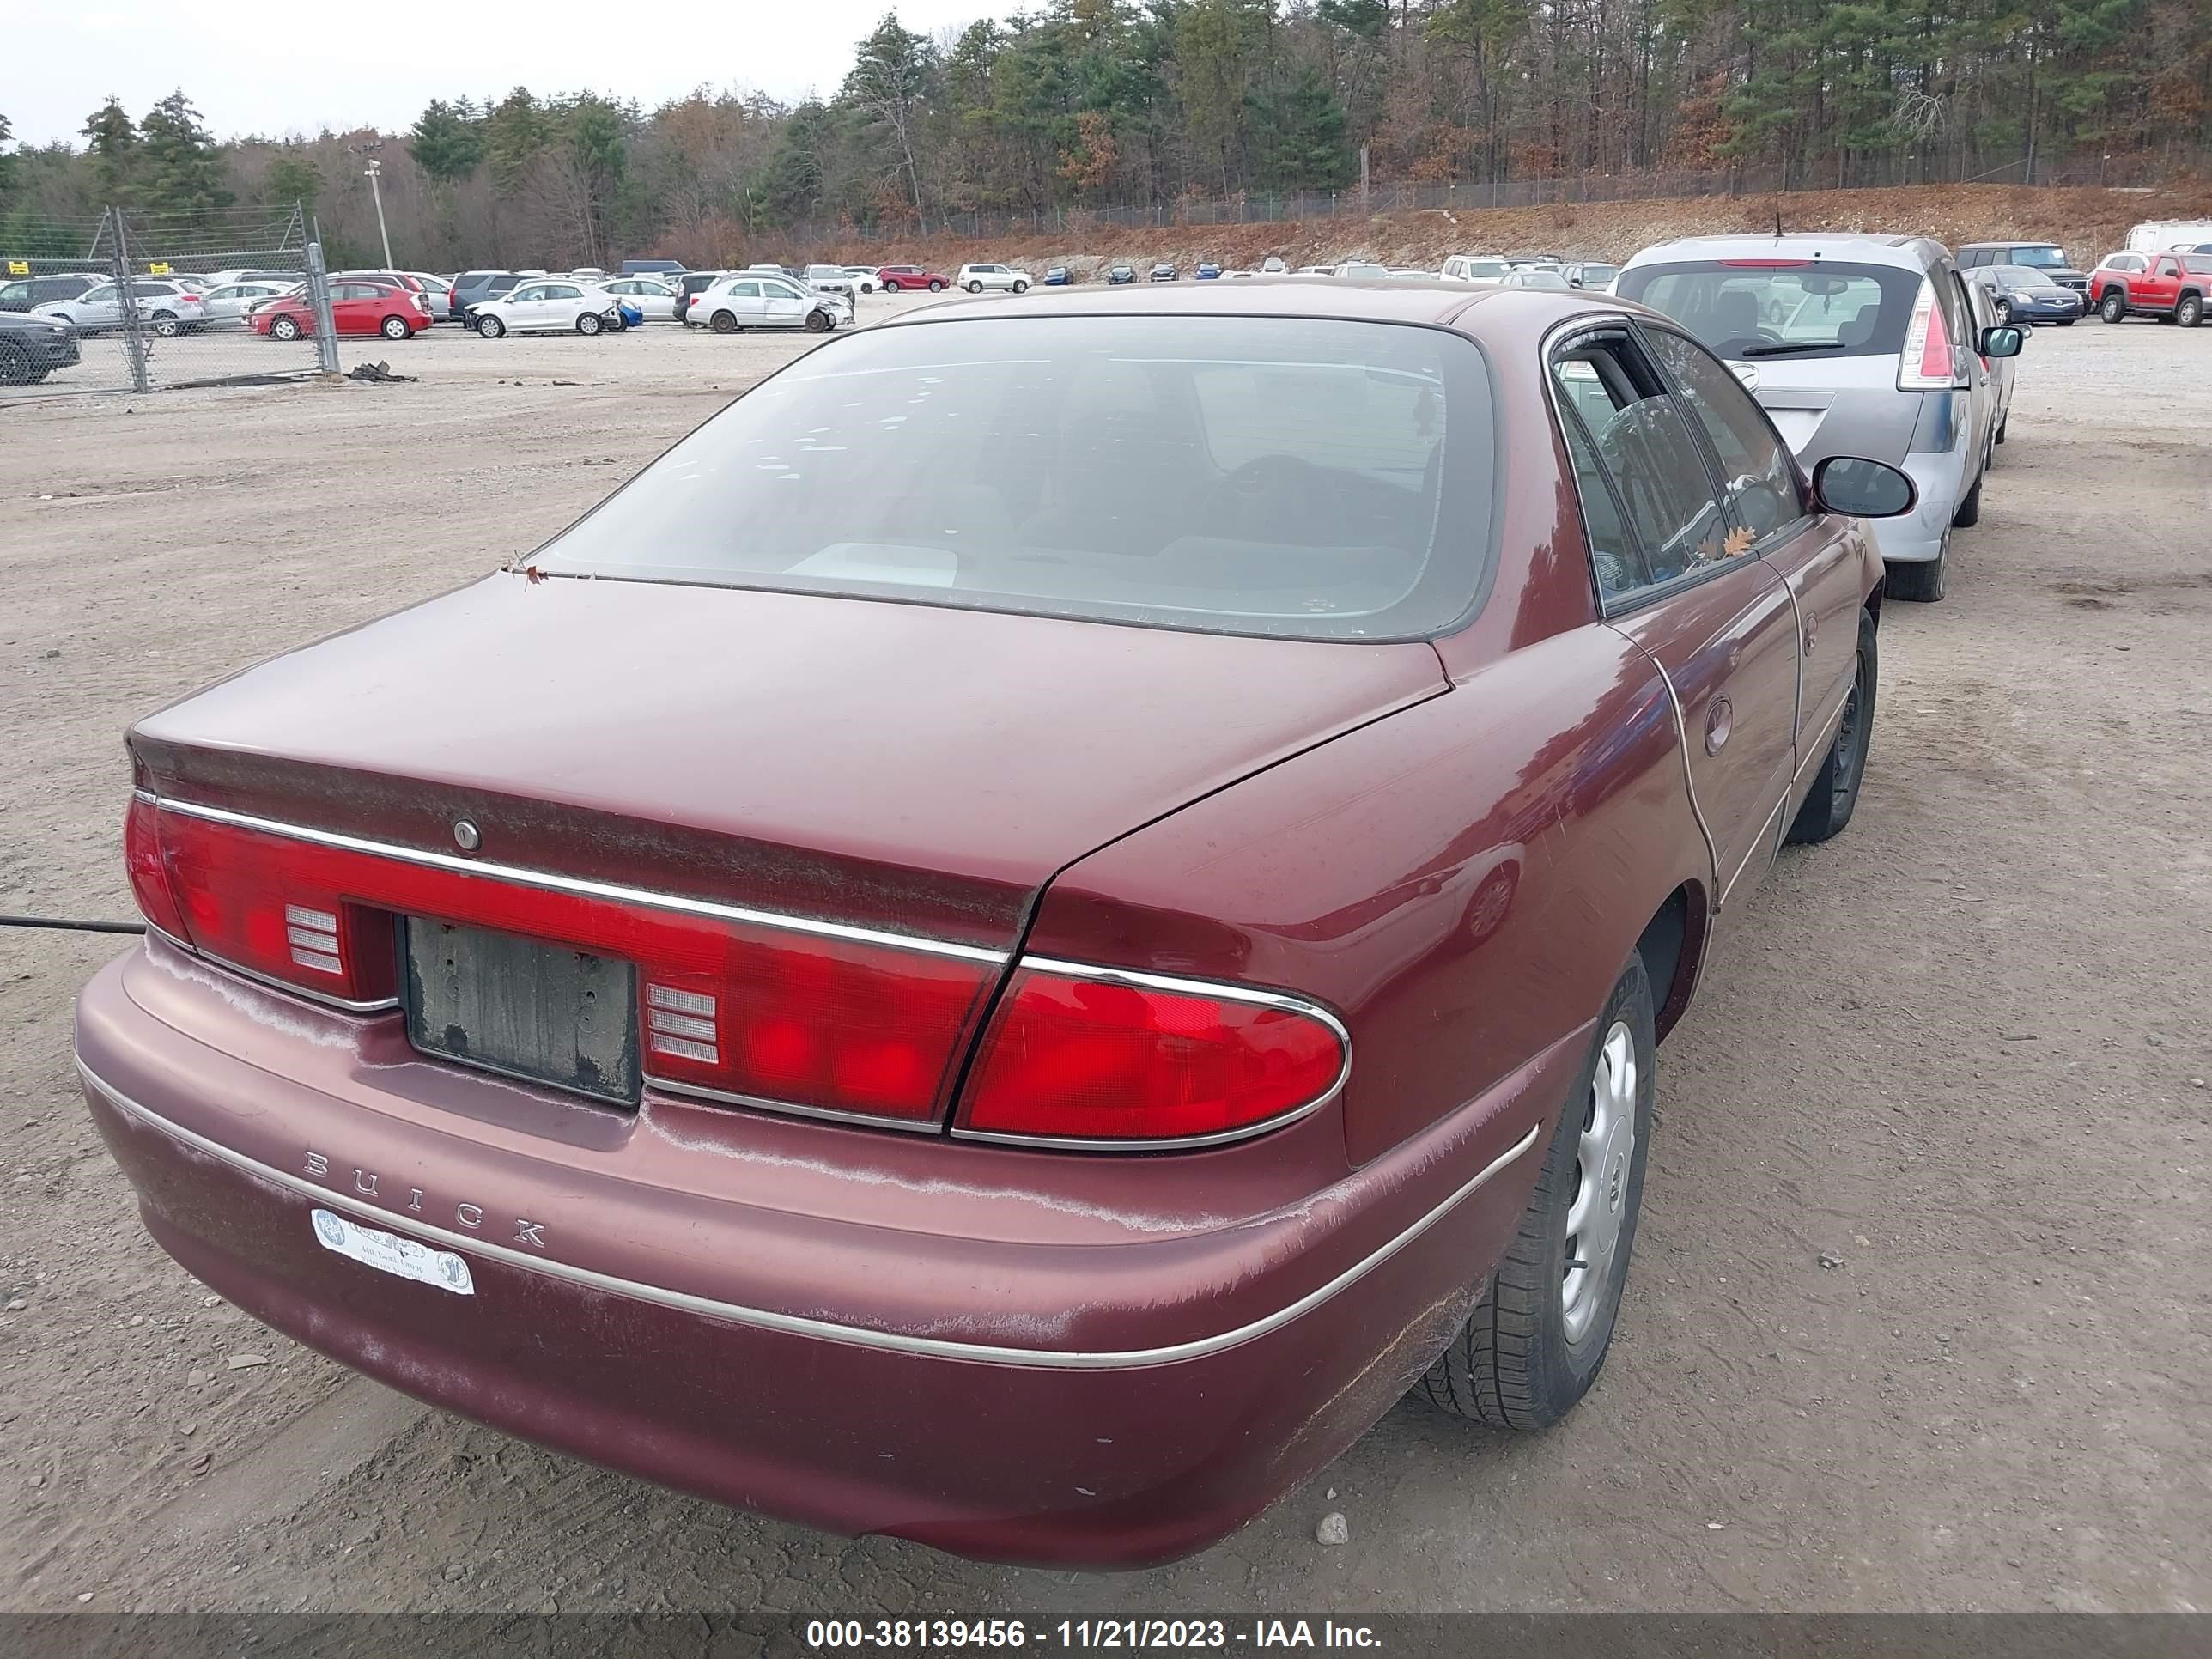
(153, 302)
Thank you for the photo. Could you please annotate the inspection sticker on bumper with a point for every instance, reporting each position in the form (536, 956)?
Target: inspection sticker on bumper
(389, 1252)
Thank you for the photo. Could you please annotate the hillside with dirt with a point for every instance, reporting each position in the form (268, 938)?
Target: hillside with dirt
(2089, 222)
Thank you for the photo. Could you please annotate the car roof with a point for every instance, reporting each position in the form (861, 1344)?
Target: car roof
(1436, 301)
(1904, 251)
(2012, 241)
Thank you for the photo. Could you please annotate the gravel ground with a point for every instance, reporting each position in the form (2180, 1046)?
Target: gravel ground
(1961, 1051)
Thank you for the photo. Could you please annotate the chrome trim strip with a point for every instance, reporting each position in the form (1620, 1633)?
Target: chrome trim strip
(285, 986)
(1762, 841)
(580, 885)
(928, 1126)
(1203, 988)
(799, 1324)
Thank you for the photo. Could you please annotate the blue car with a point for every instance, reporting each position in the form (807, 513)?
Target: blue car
(1058, 276)
(1207, 270)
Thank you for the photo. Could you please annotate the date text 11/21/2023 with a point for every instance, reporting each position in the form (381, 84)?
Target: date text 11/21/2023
(941, 1635)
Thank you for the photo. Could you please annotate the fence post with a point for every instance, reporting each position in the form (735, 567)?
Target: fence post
(126, 291)
(319, 298)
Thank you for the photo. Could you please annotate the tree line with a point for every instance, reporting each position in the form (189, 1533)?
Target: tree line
(1097, 103)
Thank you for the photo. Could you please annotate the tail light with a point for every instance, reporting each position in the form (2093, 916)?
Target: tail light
(695, 298)
(1926, 363)
(149, 869)
(1094, 1057)
(732, 1004)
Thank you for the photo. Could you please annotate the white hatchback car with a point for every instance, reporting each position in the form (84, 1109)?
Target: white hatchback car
(758, 300)
(976, 278)
(649, 295)
(545, 306)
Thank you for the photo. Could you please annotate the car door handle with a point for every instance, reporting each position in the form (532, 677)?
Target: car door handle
(1812, 633)
(1720, 720)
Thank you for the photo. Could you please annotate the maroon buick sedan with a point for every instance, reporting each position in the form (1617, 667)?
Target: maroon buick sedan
(1093, 899)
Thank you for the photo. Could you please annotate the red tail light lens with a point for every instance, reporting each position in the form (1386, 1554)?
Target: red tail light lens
(149, 870)
(278, 909)
(745, 1010)
(1074, 1055)
(1926, 363)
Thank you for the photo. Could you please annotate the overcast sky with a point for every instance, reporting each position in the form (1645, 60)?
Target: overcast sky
(280, 70)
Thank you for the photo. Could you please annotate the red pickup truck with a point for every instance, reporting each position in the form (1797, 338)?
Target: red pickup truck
(2161, 285)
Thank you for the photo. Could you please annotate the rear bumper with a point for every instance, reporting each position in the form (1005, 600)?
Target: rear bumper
(1919, 536)
(1118, 1395)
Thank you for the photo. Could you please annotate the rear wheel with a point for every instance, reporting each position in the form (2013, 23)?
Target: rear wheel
(394, 328)
(1835, 790)
(490, 328)
(2113, 307)
(724, 323)
(1543, 1321)
(975, 287)
(891, 287)
(1923, 581)
(1021, 287)
(1968, 513)
(2189, 310)
(167, 326)
(589, 323)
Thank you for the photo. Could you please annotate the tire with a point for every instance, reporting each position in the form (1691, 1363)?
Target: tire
(891, 287)
(395, 328)
(15, 366)
(723, 322)
(2004, 312)
(2113, 307)
(167, 326)
(820, 322)
(937, 286)
(1021, 288)
(1533, 1346)
(2189, 310)
(1968, 513)
(1922, 582)
(974, 287)
(2003, 426)
(1835, 792)
(286, 329)
(589, 322)
(490, 328)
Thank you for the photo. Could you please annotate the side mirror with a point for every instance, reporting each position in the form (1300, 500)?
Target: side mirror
(1864, 489)
(2003, 341)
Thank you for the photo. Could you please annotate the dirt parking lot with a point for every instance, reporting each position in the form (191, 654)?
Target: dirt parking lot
(1961, 1052)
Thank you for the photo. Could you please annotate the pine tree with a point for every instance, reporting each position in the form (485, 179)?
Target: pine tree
(446, 141)
(1299, 136)
(114, 149)
(515, 137)
(293, 177)
(182, 171)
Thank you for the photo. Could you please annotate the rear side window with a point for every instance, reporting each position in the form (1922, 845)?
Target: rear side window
(1289, 477)
(1782, 308)
(2040, 255)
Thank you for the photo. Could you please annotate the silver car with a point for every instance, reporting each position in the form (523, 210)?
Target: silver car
(754, 299)
(1855, 345)
(230, 305)
(165, 307)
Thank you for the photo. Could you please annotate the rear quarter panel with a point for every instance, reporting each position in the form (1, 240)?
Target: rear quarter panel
(1462, 881)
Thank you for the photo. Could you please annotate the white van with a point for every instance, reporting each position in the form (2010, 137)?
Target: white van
(2157, 235)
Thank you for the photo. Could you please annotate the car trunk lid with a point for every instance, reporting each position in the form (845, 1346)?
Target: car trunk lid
(879, 788)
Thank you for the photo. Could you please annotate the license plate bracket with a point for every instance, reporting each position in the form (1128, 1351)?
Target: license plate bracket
(543, 1013)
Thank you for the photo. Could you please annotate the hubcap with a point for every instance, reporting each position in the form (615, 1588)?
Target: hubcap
(1603, 1156)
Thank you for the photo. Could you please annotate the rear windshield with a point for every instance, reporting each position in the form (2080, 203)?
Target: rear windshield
(2043, 258)
(2196, 264)
(1785, 308)
(1292, 477)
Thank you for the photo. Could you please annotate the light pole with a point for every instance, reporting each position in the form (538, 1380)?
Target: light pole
(373, 172)
(376, 189)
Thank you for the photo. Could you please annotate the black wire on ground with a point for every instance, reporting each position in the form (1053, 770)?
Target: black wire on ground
(66, 926)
